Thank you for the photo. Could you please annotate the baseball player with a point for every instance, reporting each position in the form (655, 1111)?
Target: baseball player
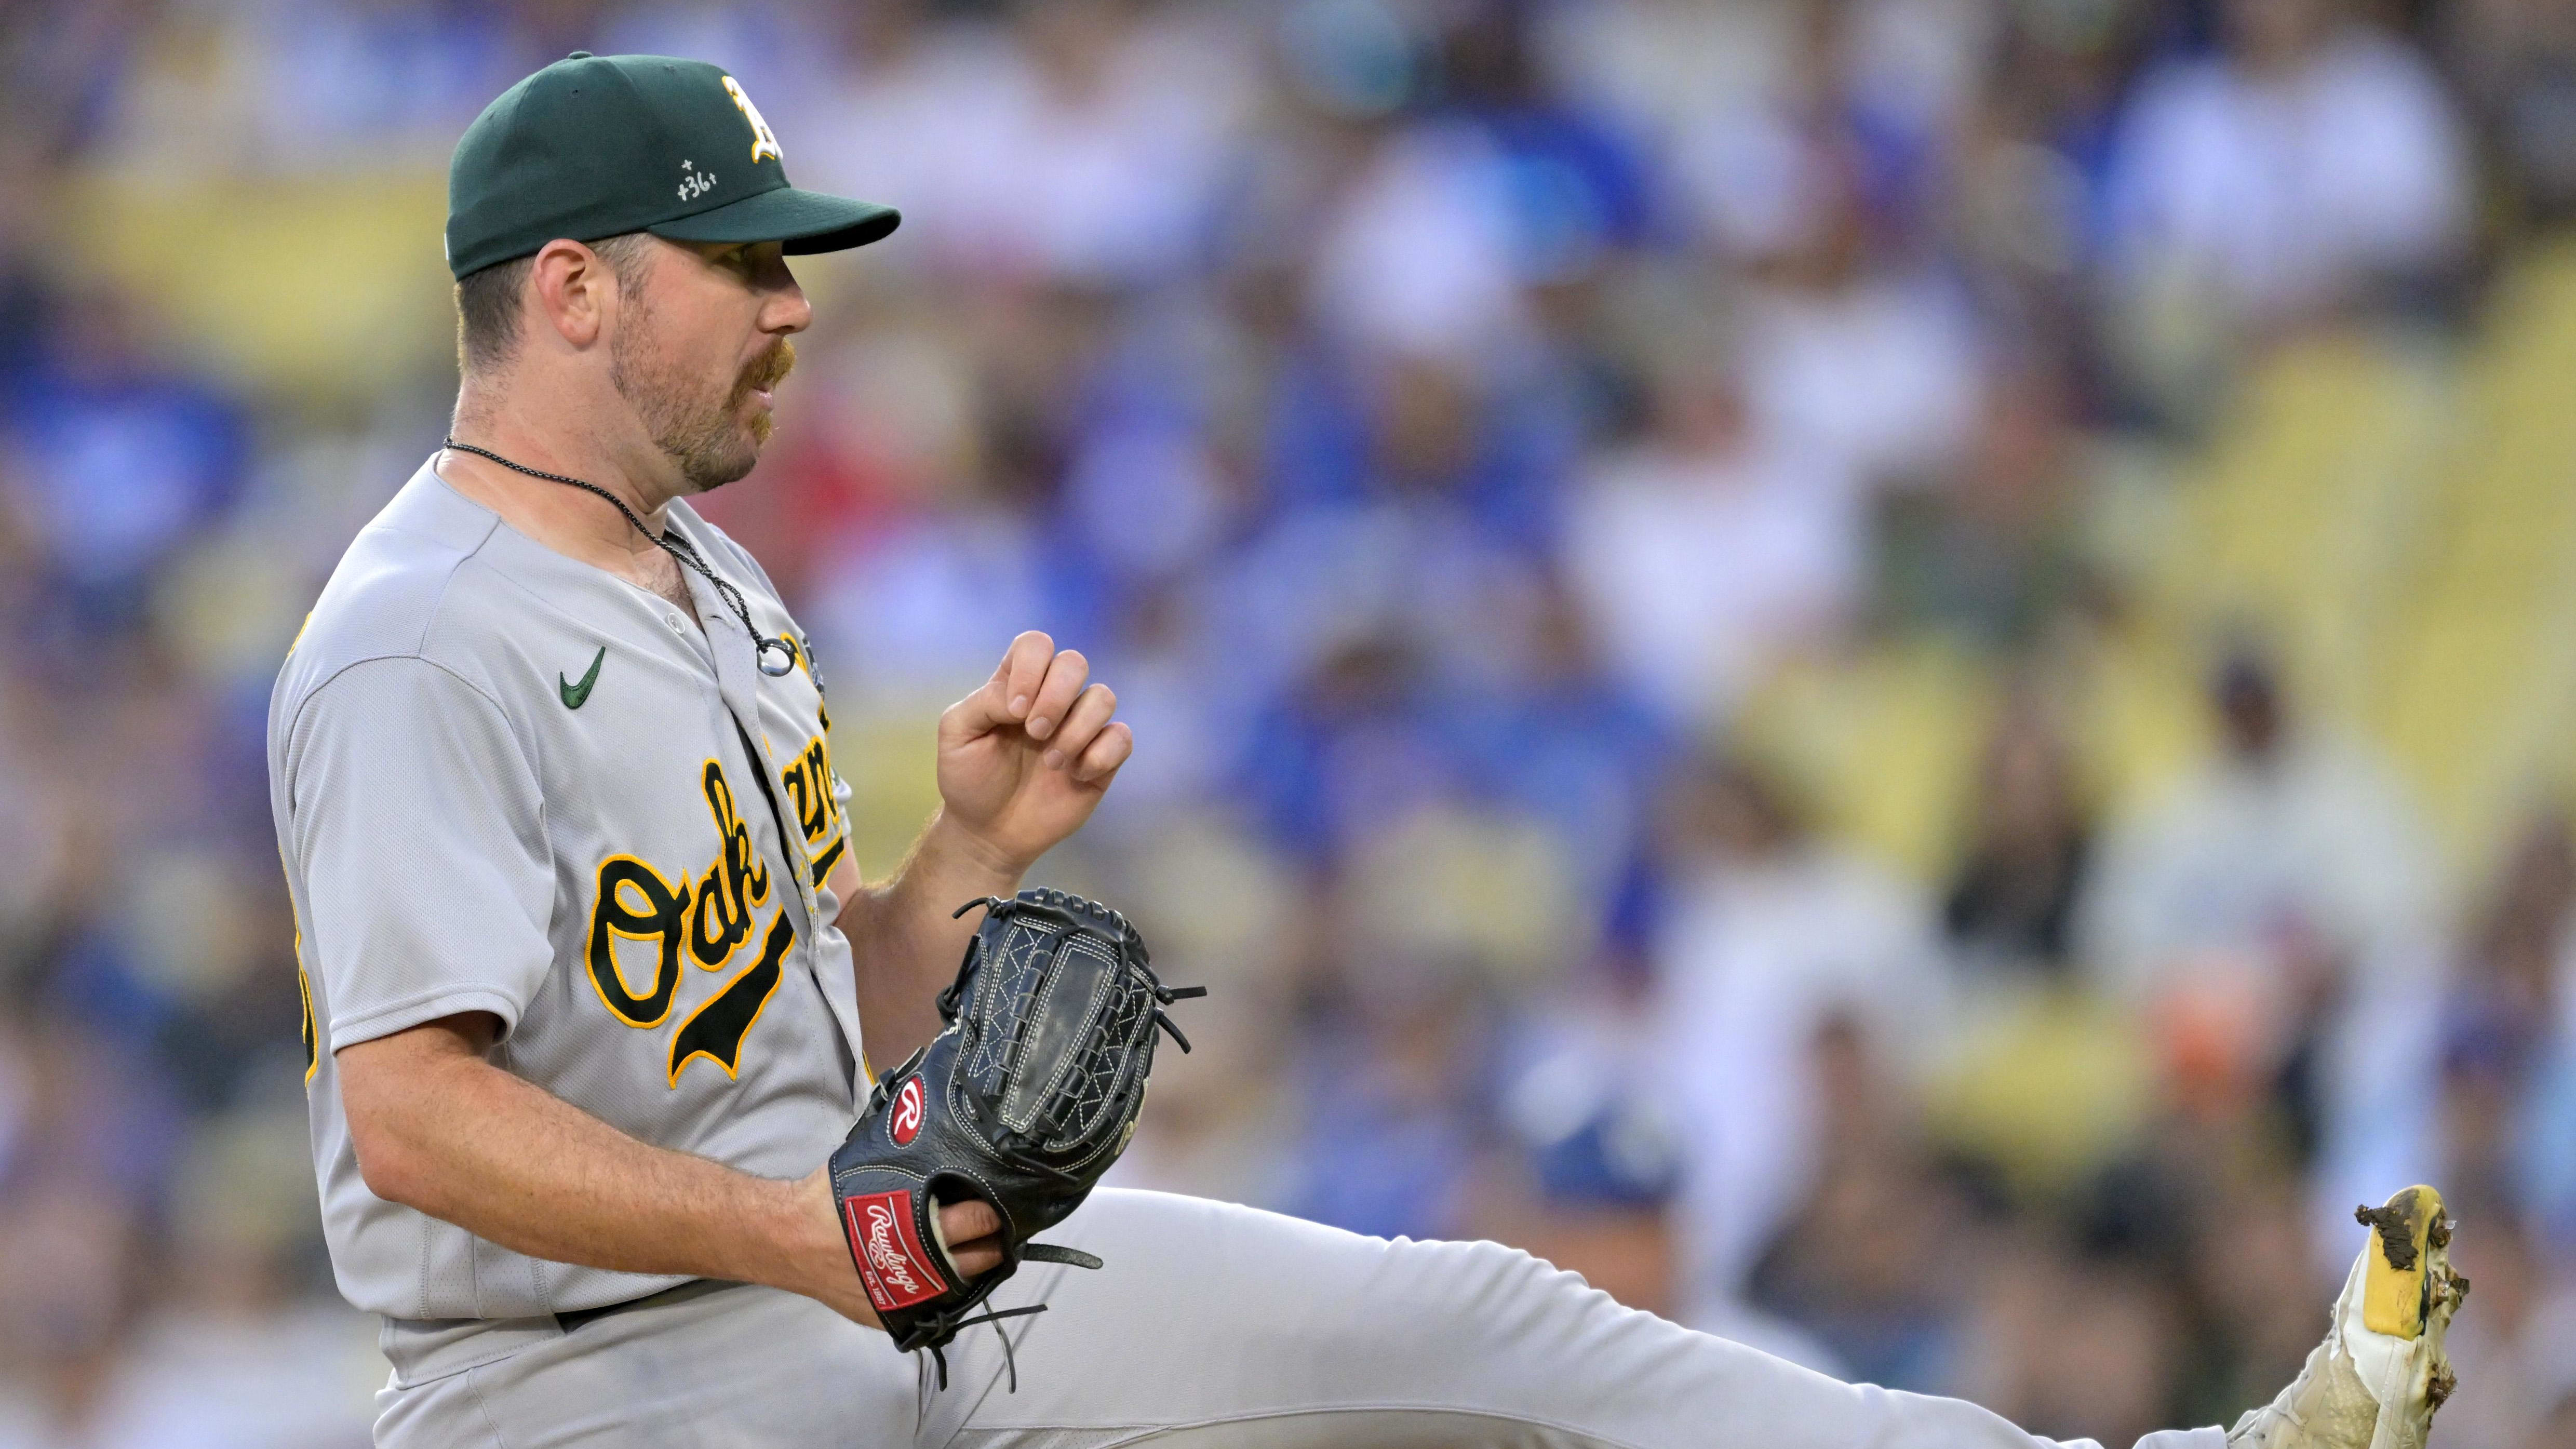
(587, 966)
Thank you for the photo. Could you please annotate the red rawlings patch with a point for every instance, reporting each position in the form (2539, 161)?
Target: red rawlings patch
(904, 1124)
(892, 1262)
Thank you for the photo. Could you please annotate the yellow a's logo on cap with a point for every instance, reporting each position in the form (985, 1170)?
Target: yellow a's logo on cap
(764, 142)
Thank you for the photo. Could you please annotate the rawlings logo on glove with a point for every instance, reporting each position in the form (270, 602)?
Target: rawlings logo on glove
(1023, 1101)
(892, 1266)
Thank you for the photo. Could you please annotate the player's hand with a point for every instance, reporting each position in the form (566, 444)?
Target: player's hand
(1023, 760)
(972, 1230)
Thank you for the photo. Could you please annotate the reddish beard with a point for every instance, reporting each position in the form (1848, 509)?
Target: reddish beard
(703, 435)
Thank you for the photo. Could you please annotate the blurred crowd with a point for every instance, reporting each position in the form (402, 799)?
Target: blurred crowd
(1505, 454)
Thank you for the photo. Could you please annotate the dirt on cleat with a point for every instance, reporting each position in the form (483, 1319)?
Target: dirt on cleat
(2399, 1291)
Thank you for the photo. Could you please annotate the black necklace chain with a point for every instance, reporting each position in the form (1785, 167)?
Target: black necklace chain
(775, 656)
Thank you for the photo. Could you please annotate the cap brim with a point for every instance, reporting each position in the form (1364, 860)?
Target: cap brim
(807, 221)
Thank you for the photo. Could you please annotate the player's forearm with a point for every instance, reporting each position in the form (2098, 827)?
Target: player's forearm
(442, 1130)
(906, 942)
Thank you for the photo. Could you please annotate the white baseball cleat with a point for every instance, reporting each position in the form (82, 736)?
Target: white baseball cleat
(2376, 1380)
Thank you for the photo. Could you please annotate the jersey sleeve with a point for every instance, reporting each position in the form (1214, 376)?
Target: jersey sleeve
(419, 850)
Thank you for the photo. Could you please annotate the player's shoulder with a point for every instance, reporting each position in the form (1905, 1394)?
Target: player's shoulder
(406, 588)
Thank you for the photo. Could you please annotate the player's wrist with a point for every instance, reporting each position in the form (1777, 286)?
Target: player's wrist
(801, 1248)
(984, 865)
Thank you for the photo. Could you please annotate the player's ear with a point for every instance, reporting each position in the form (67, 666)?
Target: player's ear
(571, 291)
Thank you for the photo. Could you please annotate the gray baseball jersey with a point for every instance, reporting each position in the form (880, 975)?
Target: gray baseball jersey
(506, 781)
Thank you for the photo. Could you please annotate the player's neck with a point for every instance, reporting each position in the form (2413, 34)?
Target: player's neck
(569, 520)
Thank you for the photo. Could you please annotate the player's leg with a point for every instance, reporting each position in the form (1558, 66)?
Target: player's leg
(1219, 1325)
(2380, 1373)
(731, 1367)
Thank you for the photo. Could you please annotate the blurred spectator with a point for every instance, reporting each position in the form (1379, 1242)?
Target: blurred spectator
(1990, 550)
(1081, 147)
(120, 454)
(1472, 210)
(1573, 188)
(2034, 155)
(909, 116)
(2091, 1340)
(2287, 860)
(1581, 757)
(1416, 528)
(1859, 1264)
(2011, 910)
(1770, 935)
(2510, 1064)
(2516, 60)
(1420, 257)
(1587, 1172)
(1855, 345)
(2507, 1019)
(2314, 164)
(2278, 915)
(1879, 368)
(1715, 545)
(1391, 1085)
(1352, 748)
(1222, 911)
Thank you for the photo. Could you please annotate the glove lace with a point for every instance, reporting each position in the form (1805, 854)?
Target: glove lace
(1010, 1360)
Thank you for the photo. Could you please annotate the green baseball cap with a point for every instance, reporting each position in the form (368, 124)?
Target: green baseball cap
(598, 145)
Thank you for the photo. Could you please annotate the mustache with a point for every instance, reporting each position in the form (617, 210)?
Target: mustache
(768, 371)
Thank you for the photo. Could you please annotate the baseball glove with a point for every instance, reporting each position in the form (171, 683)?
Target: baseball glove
(1024, 1100)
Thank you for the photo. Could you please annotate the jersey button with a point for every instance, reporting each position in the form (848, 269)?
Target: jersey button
(677, 626)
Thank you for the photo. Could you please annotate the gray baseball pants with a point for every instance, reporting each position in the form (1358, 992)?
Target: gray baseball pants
(1213, 1325)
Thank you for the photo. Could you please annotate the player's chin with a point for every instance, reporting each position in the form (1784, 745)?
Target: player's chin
(753, 422)
(708, 469)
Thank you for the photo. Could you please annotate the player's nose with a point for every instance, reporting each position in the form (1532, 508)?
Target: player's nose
(784, 309)
(788, 311)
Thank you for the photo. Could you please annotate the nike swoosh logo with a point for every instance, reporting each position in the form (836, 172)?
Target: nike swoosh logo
(576, 695)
